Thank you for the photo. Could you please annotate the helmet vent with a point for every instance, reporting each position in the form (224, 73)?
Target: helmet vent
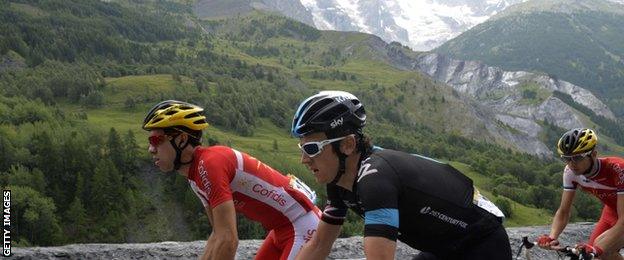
(171, 112)
(192, 115)
(315, 107)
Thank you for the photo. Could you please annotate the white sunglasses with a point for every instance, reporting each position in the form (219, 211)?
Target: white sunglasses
(312, 149)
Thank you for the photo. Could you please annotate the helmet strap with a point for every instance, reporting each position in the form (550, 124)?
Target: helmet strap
(341, 166)
(361, 148)
(592, 170)
(177, 163)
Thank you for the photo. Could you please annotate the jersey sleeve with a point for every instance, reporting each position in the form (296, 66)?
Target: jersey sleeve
(568, 180)
(335, 210)
(216, 171)
(377, 186)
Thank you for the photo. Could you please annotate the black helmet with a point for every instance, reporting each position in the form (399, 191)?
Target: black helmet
(577, 141)
(329, 111)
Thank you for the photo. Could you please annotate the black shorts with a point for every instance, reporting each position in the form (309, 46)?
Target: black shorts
(494, 246)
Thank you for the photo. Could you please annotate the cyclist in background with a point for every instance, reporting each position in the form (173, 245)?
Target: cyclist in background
(227, 181)
(424, 203)
(604, 178)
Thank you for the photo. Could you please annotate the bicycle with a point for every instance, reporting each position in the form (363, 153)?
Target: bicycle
(567, 251)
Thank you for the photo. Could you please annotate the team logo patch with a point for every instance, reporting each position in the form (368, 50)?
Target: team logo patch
(443, 217)
(337, 122)
(365, 170)
(203, 175)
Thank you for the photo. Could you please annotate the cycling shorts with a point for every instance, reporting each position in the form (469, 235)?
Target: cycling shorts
(607, 220)
(284, 242)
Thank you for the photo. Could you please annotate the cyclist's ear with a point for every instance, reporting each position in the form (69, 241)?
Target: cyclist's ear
(348, 145)
(184, 138)
(594, 153)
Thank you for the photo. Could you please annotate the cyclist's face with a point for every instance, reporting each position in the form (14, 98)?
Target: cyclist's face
(324, 165)
(580, 167)
(162, 152)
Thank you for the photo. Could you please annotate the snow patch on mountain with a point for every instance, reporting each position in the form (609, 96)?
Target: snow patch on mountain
(422, 25)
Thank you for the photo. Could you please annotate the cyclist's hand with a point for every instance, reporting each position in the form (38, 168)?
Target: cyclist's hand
(587, 248)
(547, 242)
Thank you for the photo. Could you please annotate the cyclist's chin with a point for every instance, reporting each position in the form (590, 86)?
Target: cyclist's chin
(165, 167)
(321, 178)
(578, 171)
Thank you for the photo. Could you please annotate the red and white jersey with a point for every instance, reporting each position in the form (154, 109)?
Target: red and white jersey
(219, 174)
(605, 182)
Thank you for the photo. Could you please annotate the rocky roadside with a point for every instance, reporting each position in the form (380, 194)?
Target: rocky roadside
(344, 248)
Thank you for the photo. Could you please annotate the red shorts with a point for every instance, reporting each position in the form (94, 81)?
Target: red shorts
(285, 242)
(607, 220)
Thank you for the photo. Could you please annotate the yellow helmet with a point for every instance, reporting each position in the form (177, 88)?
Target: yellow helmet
(577, 141)
(173, 113)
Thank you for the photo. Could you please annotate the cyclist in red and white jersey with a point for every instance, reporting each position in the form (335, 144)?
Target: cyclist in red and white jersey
(228, 182)
(603, 178)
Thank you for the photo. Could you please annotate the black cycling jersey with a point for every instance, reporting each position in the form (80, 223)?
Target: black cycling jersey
(424, 203)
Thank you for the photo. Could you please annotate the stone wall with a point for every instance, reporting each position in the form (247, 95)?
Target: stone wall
(344, 248)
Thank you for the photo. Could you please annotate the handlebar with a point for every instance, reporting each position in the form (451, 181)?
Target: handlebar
(568, 251)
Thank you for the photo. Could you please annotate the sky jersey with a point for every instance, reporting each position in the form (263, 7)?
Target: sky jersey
(605, 182)
(424, 203)
(219, 174)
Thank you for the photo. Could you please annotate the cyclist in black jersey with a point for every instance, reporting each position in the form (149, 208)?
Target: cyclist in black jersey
(424, 203)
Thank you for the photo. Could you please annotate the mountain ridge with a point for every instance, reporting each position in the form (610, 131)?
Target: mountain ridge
(583, 47)
(562, 6)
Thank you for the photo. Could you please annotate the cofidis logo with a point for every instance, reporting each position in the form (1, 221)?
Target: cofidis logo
(6, 222)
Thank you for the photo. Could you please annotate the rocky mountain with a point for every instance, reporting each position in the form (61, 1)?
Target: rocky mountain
(344, 248)
(521, 100)
(422, 25)
(579, 41)
(516, 107)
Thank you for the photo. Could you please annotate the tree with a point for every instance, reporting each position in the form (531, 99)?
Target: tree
(22, 176)
(131, 151)
(36, 222)
(115, 149)
(505, 206)
(76, 227)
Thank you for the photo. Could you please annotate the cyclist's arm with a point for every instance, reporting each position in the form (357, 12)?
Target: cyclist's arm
(613, 239)
(223, 240)
(379, 248)
(562, 217)
(321, 243)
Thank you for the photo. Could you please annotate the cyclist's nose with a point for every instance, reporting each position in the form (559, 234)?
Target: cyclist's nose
(305, 159)
(151, 149)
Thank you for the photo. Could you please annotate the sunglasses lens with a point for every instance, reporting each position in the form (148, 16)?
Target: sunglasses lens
(310, 149)
(576, 158)
(155, 140)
